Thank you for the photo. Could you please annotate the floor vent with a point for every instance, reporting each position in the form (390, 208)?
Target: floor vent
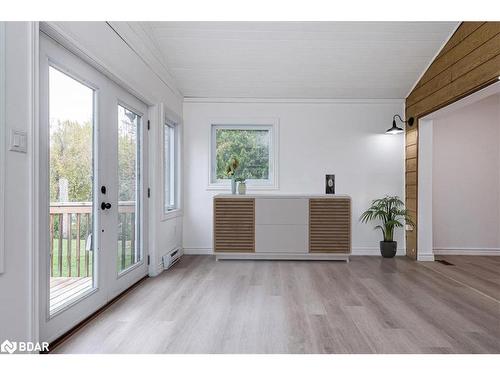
(445, 262)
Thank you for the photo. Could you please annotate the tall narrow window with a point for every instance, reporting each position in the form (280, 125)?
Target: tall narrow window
(170, 163)
(129, 249)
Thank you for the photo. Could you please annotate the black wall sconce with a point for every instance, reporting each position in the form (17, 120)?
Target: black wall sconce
(397, 130)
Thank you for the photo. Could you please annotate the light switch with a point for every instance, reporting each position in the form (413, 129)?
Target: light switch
(18, 141)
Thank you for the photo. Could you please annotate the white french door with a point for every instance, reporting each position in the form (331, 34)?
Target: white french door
(92, 183)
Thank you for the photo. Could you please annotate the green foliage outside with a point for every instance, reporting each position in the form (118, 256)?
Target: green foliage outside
(127, 158)
(249, 147)
(74, 262)
(71, 158)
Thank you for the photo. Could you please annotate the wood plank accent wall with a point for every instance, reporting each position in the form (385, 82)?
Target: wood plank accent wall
(468, 62)
(330, 225)
(234, 225)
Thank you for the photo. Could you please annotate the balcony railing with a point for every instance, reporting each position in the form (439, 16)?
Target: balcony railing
(70, 240)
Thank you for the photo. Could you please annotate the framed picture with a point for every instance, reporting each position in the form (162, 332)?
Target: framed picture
(330, 184)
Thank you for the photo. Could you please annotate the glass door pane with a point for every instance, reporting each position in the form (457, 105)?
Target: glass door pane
(129, 249)
(71, 176)
(169, 162)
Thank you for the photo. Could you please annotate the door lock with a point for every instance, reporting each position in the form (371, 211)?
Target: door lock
(105, 206)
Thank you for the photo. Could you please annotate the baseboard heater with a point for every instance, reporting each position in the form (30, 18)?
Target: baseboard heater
(171, 258)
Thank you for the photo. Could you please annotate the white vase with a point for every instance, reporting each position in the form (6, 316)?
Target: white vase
(242, 188)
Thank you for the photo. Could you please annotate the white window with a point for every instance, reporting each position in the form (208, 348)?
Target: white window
(254, 146)
(170, 165)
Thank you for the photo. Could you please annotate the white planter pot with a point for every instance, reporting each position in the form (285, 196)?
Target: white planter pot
(242, 188)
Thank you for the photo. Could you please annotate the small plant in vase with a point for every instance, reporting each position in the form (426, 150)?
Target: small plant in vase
(392, 214)
(242, 186)
(231, 168)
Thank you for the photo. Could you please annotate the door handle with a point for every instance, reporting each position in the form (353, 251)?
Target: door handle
(105, 206)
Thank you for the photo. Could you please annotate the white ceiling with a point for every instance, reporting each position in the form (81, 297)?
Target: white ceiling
(344, 60)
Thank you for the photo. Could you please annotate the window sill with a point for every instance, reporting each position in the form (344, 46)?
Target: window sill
(171, 214)
(220, 187)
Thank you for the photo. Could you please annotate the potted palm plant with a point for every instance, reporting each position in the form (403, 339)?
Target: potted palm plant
(392, 214)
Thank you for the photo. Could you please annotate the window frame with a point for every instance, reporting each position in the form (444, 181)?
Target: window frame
(272, 125)
(140, 200)
(169, 123)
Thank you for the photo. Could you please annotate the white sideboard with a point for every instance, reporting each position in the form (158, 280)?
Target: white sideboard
(282, 227)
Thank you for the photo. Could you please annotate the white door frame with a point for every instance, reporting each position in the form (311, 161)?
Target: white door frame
(34, 181)
(53, 326)
(424, 219)
(425, 138)
(109, 282)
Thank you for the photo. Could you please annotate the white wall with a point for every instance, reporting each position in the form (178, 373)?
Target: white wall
(100, 42)
(15, 281)
(343, 138)
(466, 179)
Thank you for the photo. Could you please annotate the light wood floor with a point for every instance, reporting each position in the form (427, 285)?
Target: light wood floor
(370, 305)
(480, 273)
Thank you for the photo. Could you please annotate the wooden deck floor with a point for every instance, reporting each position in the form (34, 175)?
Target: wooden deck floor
(63, 289)
(369, 305)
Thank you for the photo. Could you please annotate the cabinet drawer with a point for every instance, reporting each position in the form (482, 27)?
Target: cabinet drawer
(281, 238)
(234, 225)
(281, 211)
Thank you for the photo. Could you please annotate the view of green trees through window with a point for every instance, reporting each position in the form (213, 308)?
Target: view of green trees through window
(71, 161)
(249, 146)
(128, 125)
(71, 181)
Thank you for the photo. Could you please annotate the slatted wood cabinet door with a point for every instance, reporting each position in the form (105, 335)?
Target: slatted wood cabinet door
(330, 225)
(234, 225)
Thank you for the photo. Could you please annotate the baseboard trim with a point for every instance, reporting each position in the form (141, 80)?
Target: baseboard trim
(198, 251)
(467, 251)
(365, 251)
(281, 256)
(373, 251)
